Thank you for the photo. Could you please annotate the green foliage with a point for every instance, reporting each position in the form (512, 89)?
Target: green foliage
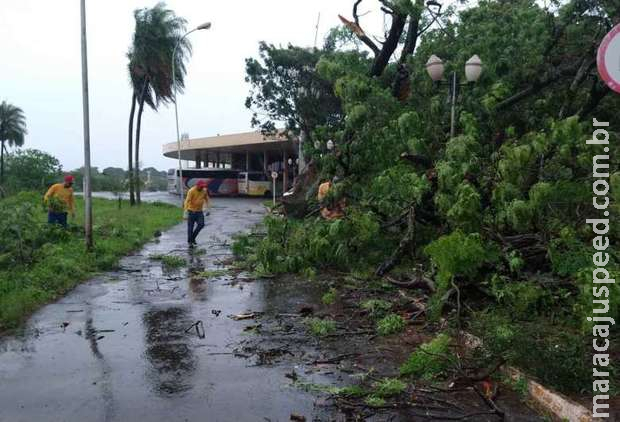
(155, 38)
(321, 327)
(458, 254)
(330, 297)
(519, 385)
(295, 246)
(211, 273)
(430, 360)
(499, 207)
(390, 324)
(377, 308)
(524, 300)
(22, 231)
(374, 401)
(560, 357)
(169, 261)
(388, 387)
(286, 88)
(31, 169)
(39, 262)
(568, 254)
(350, 391)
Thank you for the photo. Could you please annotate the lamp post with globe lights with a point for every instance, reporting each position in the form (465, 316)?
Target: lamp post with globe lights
(204, 26)
(435, 69)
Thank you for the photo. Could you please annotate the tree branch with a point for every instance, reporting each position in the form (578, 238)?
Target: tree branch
(383, 58)
(358, 31)
(551, 78)
(412, 31)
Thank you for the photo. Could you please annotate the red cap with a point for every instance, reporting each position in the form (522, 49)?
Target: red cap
(69, 178)
(201, 183)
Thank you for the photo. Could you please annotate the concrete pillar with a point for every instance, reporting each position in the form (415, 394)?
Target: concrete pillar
(198, 160)
(265, 161)
(217, 160)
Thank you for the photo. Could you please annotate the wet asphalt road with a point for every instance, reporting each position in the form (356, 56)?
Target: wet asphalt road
(116, 348)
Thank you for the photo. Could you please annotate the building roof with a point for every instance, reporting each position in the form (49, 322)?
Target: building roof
(232, 143)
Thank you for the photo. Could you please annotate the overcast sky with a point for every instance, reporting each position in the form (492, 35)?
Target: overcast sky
(40, 69)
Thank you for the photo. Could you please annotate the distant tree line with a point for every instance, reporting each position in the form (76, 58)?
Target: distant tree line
(31, 169)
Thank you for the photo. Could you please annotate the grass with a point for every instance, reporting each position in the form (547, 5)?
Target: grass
(348, 391)
(59, 266)
(321, 327)
(169, 261)
(330, 297)
(390, 324)
(376, 307)
(374, 401)
(212, 273)
(430, 360)
(389, 387)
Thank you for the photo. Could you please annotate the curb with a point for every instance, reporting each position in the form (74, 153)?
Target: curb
(551, 401)
(544, 398)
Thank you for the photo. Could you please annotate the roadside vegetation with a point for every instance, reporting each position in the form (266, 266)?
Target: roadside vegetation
(40, 262)
(484, 230)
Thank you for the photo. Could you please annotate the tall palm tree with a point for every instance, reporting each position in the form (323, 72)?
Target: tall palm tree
(12, 130)
(157, 32)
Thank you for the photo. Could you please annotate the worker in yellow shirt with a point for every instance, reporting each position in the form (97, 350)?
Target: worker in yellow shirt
(329, 211)
(59, 201)
(196, 202)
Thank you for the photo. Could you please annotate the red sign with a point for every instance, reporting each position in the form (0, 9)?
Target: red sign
(608, 59)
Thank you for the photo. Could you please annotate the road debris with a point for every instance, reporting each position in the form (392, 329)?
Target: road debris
(200, 329)
(240, 317)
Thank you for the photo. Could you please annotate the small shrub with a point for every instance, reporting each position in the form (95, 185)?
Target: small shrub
(390, 324)
(330, 297)
(321, 327)
(169, 261)
(377, 308)
(389, 387)
(519, 385)
(212, 273)
(350, 391)
(374, 401)
(430, 359)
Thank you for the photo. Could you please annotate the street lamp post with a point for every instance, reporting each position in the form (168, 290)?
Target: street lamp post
(88, 210)
(206, 25)
(435, 69)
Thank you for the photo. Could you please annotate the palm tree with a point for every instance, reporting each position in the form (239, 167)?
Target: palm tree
(157, 32)
(12, 130)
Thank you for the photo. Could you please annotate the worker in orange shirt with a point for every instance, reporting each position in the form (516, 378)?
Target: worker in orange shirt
(59, 200)
(196, 203)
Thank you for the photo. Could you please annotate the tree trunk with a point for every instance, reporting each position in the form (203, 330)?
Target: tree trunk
(137, 152)
(2, 163)
(137, 162)
(391, 43)
(132, 199)
(412, 32)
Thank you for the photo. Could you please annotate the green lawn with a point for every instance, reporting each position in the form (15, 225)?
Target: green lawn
(56, 261)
